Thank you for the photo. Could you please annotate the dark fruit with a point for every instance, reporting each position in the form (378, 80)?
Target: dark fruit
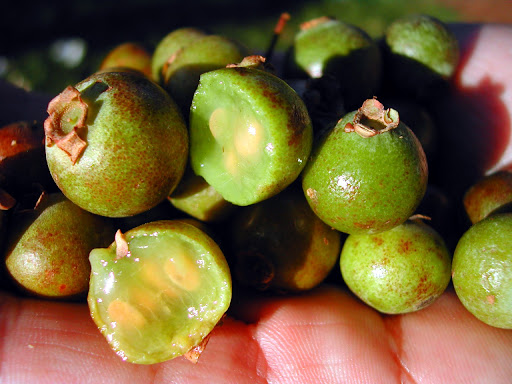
(280, 245)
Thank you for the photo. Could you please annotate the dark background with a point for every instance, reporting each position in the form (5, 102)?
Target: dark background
(29, 29)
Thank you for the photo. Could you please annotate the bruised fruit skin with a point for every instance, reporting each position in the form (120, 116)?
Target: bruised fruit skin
(397, 271)
(158, 291)
(341, 52)
(368, 174)
(128, 55)
(482, 270)
(489, 194)
(280, 245)
(116, 143)
(250, 133)
(48, 247)
(170, 45)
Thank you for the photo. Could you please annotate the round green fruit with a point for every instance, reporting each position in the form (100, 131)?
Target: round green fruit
(341, 52)
(250, 133)
(170, 45)
(48, 247)
(368, 174)
(482, 270)
(116, 143)
(397, 271)
(158, 291)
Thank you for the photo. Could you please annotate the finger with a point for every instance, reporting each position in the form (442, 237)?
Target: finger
(444, 343)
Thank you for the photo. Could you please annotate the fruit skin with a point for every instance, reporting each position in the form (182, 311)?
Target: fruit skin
(342, 52)
(171, 44)
(482, 270)
(128, 149)
(419, 47)
(130, 55)
(397, 271)
(365, 184)
(164, 318)
(249, 93)
(181, 73)
(48, 248)
(280, 245)
(492, 193)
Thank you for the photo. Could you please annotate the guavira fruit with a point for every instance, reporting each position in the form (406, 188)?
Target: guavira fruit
(47, 248)
(368, 174)
(280, 245)
(482, 270)
(116, 143)
(158, 291)
(400, 270)
(250, 133)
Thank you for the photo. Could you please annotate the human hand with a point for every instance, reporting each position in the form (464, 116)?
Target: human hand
(325, 335)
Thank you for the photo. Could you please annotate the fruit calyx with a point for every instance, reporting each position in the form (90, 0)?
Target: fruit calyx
(122, 249)
(372, 119)
(67, 113)
(253, 61)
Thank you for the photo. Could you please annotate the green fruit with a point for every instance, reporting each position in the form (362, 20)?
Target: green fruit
(420, 53)
(397, 271)
(158, 291)
(196, 197)
(368, 174)
(48, 248)
(116, 143)
(169, 46)
(280, 245)
(250, 133)
(490, 194)
(129, 55)
(181, 73)
(326, 47)
(482, 270)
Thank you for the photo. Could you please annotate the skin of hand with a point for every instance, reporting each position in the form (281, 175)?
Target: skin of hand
(322, 336)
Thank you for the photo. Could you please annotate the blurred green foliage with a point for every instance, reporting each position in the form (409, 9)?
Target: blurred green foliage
(27, 60)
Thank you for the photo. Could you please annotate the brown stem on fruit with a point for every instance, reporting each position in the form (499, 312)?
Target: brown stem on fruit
(278, 29)
(372, 119)
(195, 352)
(6, 200)
(59, 110)
(122, 249)
(253, 61)
(169, 62)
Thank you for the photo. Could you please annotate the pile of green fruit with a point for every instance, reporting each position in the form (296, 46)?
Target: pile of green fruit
(172, 178)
